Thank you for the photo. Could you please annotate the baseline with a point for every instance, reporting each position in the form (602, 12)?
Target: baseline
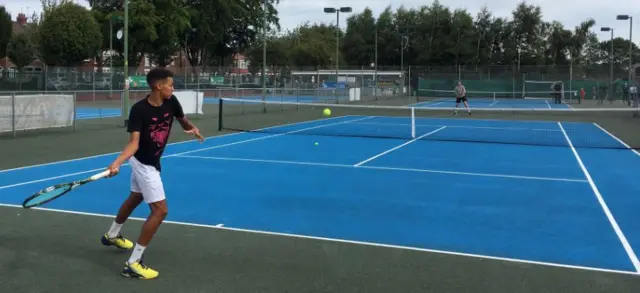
(476, 256)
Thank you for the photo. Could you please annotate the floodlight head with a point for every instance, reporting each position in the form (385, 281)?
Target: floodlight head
(622, 17)
(345, 9)
(605, 29)
(329, 10)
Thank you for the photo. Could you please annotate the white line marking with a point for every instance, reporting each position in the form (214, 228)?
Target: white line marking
(173, 143)
(616, 138)
(187, 152)
(51, 178)
(267, 136)
(493, 103)
(603, 204)
(385, 168)
(219, 225)
(547, 104)
(398, 147)
(477, 256)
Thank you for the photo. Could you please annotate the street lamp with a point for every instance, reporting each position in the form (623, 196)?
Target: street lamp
(404, 44)
(337, 12)
(607, 29)
(630, 18)
(264, 55)
(112, 18)
(187, 33)
(125, 93)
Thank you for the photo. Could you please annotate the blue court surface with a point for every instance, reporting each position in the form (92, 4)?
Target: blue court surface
(489, 103)
(93, 113)
(552, 205)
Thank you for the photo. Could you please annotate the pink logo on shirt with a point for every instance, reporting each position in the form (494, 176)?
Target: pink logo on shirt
(160, 132)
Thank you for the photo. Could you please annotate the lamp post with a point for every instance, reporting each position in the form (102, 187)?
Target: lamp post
(111, 20)
(630, 18)
(187, 34)
(607, 29)
(125, 93)
(404, 44)
(264, 55)
(337, 12)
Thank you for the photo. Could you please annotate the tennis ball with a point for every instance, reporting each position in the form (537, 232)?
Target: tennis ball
(327, 112)
(316, 143)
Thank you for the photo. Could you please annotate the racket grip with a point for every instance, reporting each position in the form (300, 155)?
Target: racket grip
(101, 175)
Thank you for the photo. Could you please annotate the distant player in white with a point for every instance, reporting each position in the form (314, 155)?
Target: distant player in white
(461, 96)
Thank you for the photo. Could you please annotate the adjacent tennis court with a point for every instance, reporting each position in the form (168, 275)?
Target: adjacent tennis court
(523, 191)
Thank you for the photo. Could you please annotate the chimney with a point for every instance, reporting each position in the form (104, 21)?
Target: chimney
(22, 19)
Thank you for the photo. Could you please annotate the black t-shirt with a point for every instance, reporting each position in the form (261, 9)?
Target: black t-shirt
(154, 124)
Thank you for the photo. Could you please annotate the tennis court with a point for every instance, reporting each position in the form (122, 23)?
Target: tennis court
(453, 202)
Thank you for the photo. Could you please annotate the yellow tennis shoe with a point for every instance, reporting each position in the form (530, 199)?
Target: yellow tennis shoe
(118, 241)
(139, 270)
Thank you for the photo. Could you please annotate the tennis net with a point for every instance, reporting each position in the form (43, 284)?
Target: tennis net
(530, 97)
(613, 128)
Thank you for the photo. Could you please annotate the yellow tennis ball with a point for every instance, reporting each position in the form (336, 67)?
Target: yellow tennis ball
(327, 112)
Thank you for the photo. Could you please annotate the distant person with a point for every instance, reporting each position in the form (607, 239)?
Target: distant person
(557, 92)
(625, 94)
(582, 94)
(461, 96)
(149, 126)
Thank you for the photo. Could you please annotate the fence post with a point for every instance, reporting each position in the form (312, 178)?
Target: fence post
(13, 113)
(75, 110)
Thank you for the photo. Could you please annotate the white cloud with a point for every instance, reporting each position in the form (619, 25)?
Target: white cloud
(569, 12)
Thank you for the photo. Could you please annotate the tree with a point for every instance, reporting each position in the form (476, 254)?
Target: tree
(175, 21)
(222, 30)
(68, 35)
(21, 50)
(358, 43)
(6, 29)
(143, 20)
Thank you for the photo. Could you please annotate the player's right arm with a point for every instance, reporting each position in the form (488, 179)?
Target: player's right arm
(134, 127)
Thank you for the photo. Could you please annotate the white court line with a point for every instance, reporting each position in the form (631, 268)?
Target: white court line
(547, 104)
(493, 103)
(616, 138)
(603, 204)
(187, 152)
(335, 240)
(385, 168)
(173, 143)
(398, 147)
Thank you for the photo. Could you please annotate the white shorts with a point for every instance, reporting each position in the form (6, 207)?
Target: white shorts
(146, 179)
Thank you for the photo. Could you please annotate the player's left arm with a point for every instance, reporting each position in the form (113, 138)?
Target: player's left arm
(184, 122)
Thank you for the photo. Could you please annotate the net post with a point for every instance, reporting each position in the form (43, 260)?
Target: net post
(220, 114)
(413, 122)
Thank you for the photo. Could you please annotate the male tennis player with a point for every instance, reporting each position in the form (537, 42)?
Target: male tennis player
(149, 126)
(461, 96)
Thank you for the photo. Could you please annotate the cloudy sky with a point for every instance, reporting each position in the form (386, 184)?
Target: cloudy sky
(569, 12)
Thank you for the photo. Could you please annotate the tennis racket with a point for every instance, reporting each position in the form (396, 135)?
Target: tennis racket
(52, 192)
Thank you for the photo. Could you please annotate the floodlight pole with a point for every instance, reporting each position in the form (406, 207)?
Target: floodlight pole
(630, 18)
(607, 29)
(337, 12)
(125, 94)
(264, 55)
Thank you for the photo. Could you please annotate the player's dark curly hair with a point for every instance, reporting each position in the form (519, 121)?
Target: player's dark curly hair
(157, 75)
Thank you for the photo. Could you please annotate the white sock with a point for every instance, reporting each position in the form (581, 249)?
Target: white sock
(115, 230)
(137, 253)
